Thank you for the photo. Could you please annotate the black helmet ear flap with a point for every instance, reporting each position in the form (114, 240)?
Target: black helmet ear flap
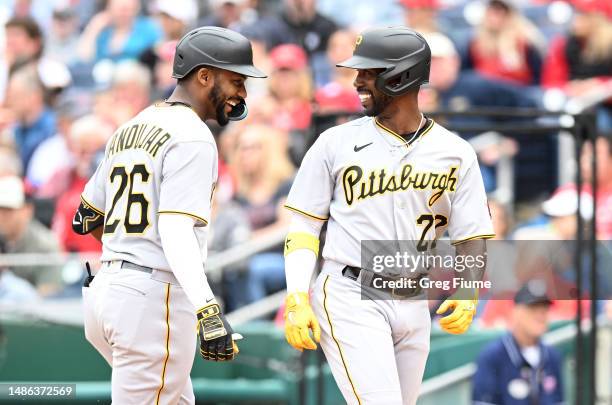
(239, 112)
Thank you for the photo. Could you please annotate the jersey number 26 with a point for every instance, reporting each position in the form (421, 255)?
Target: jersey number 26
(127, 181)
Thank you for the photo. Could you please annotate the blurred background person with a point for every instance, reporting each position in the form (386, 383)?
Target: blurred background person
(300, 23)
(13, 289)
(118, 32)
(24, 234)
(126, 94)
(421, 15)
(86, 140)
(506, 46)
(582, 59)
(35, 121)
(520, 369)
(63, 37)
(232, 14)
(52, 154)
(290, 86)
(175, 18)
(264, 174)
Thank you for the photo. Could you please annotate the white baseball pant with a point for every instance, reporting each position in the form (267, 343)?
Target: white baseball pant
(376, 350)
(145, 328)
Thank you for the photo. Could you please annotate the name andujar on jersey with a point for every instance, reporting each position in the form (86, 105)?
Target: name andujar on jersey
(138, 136)
(359, 187)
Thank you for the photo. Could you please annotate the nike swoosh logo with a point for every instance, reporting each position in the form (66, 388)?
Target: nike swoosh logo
(358, 148)
(208, 300)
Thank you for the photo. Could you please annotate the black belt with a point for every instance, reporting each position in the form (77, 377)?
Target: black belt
(404, 292)
(132, 266)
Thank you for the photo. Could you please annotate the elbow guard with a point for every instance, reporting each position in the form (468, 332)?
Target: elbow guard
(301, 240)
(86, 219)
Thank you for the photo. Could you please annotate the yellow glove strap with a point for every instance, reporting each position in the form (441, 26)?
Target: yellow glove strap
(296, 299)
(301, 240)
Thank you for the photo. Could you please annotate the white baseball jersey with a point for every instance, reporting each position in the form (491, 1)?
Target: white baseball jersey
(372, 185)
(164, 160)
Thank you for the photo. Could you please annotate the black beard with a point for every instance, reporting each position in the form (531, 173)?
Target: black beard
(380, 101)
(219, 103)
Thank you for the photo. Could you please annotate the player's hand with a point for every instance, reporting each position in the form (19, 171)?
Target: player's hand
(299, 320)
(460, 319)
(216, 341)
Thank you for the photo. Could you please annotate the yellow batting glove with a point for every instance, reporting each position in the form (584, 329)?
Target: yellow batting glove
(299, 320)
(460, 319)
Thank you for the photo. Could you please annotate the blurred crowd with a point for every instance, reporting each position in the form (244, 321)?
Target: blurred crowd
(72, 71)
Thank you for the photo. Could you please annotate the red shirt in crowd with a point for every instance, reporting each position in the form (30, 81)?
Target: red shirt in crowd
(66, 205)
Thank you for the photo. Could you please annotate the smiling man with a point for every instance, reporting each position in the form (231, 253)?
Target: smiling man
(392, 175)
(149, 203)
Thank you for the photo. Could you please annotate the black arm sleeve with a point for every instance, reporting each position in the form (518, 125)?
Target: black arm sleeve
(86, 219)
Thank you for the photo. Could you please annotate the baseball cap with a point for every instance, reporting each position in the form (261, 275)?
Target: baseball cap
(532, 292)
(603, 7)
(441, 46)
(564, 202)
(12, 193)
(333, 97)
(420, 3)
(185, 11)
(288, 56)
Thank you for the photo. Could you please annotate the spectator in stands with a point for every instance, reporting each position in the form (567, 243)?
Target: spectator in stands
(14, 289)
(63, 38)
(519, 368)
(35, 121)
(421, 15)
(53, 154)
(290, 86)
(175, 19)
(24, 42)
(300, 23)
(118, 33)
(561, 209)
(24, 234)
(232, 14)
(603, 149)
(506, 46)
(129, 93)
(10, 163)
(263, 172)
(86, 139)
(456, 90)
(582, 60)
(580, 63)
(24, 48)
(338, 94)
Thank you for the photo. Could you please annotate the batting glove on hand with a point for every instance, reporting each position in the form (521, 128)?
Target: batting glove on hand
(299, 319)
(460, 319)
(215, 332)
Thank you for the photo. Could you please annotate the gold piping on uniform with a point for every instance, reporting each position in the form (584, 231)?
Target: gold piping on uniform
(163, 376)
(486, 236)
(331, 328)
(96, 210)
(305, 213)
(398, 136)
(185, 213)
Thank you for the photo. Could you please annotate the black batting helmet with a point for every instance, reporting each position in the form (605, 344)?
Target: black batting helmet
(217, 47)
(402, 52)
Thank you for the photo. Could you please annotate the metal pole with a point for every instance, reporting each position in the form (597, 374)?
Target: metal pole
(577, 131)
(592, 133)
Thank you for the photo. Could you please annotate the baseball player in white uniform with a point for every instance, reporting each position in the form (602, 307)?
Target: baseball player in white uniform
(392, 175)
(149, 201)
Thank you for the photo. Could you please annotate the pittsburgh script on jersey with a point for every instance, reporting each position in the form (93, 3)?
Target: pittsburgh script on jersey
(138, 136)
(357, 186)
